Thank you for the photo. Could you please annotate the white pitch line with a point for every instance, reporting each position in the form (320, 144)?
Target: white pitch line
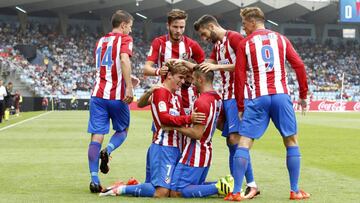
(29, 119)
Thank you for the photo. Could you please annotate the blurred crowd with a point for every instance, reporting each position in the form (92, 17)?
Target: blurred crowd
(67, 65)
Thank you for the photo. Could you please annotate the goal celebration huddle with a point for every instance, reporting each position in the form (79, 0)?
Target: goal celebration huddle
(186, 109)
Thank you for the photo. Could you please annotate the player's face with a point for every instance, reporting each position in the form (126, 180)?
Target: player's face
(249, 26)
(208, 35)
(178, 80)
(188, 81)
(127, 27)
(176, 29)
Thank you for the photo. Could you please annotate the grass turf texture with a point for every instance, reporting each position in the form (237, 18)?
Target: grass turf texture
(45, 159)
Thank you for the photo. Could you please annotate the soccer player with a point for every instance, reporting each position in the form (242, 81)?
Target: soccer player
(191, 171)
(222, 58)
(263, 52)
(164, 152)
(174, 45)
(111, 95)
(187, 95)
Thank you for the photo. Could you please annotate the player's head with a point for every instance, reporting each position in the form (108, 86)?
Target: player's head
(1, 82)
(252, 19)
(200, 78)
(176, 22)
(175, 78)
(123, 20)
(187, 81)
(205, 26)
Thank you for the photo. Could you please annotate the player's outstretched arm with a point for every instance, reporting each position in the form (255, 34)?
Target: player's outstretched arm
(145, 99)
(195, 132)
(216, 67)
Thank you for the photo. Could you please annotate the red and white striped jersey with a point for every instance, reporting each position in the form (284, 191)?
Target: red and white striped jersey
(109, 79)
(264, 53)
(163, 49)
(198, 153)
(188, 97)
(167, 110)
(224, 52)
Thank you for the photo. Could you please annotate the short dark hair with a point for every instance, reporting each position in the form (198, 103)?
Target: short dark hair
(120, 16)
(209, 76)
(176, 14)
(204, 21)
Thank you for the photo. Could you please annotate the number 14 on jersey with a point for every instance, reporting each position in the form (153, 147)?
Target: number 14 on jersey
(106, 60)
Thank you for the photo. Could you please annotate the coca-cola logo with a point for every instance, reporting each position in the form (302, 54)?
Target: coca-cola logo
(357, 106)
(334, 106)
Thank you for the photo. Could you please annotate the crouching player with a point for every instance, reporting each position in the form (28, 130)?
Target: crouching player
(191, 171)
(164, 151)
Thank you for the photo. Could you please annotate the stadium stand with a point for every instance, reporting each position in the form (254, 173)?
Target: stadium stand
(64, 66)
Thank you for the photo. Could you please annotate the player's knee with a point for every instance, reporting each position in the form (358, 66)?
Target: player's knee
(97, 138)
(233, 139)
(175, 194)
(290, 140)
(245, 142)
(161, 192)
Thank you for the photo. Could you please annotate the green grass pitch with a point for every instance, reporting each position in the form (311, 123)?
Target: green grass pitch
(45, 159)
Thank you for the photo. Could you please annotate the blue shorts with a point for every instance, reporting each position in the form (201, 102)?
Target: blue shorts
(232, 122)
(148, 174)
(102, 110)
(185, 175)
(258, 112)
(162, 162)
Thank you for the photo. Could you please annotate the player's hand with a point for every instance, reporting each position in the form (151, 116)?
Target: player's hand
(129, 95)
(164, 70)
(197, 117)
(135, 81)
(206, 67)
(175, 61)
(303, 105)
(241, 113)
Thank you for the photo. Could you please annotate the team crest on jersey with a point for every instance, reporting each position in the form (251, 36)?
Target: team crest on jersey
(185, 56)
(162, 106)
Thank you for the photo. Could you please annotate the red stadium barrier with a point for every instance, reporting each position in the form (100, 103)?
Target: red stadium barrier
(324, 105)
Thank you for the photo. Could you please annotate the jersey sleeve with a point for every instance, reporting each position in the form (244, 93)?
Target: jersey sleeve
(161, 99)
(198, 53)
(299, 68)
(234, 39)
(202, 107)
(153, 54)
(126, 45)
(240, 75)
